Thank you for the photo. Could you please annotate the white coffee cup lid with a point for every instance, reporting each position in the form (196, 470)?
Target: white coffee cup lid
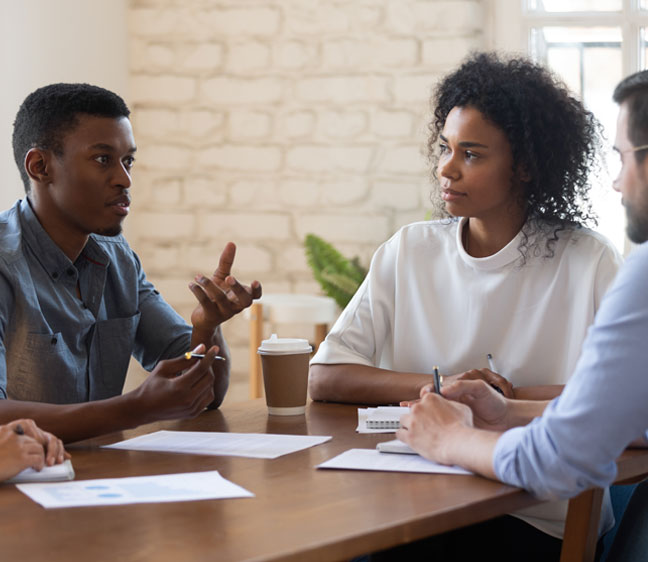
(284, 345)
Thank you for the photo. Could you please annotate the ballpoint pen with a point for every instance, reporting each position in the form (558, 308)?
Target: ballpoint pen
(190, 355)
(491, 366)
(437, 380)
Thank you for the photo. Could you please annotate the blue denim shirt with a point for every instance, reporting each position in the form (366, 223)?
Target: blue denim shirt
(56, 347)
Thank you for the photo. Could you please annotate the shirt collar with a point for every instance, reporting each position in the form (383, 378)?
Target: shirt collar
(508, 254)
(48, 254)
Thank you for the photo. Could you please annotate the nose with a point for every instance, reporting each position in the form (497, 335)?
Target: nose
(122, 176)
(447, 166)
(615, 184)
(616, 175)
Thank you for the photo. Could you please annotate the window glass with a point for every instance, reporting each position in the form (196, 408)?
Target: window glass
(589, 60)
(643, 49)
(576, 5)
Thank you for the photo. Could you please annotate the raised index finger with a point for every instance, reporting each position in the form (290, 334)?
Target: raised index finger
(225, 261)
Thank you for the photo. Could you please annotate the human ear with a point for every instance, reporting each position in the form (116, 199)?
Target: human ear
(37, 165)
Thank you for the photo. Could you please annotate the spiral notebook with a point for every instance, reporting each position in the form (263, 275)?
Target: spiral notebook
(385, 417)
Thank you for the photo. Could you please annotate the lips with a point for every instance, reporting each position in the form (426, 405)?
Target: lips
(448, 194)
(121, 204)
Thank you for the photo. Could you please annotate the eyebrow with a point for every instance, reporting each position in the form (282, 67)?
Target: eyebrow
(109, 148)
(466, 144)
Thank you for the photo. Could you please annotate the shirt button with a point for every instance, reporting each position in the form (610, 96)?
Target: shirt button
(54, 340)
(70, 272)
(55, 275)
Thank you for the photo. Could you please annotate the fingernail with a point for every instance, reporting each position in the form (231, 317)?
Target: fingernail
(199, 348)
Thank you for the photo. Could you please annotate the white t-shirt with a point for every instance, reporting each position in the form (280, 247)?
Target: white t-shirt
(426, 302)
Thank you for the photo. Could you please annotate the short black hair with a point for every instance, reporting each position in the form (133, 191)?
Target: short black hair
(50, 112)
(553, 138)
(633, 90)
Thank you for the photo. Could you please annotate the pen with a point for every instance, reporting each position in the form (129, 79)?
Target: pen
(437, 382)
(18, 430)
(190, 355)
(492, 367)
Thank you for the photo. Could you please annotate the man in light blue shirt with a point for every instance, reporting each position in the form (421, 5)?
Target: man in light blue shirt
(571, 443)
(75, 303)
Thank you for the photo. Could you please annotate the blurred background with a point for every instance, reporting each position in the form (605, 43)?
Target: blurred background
(259, 121)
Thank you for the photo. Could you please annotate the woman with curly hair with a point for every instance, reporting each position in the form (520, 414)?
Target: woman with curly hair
(511, 272)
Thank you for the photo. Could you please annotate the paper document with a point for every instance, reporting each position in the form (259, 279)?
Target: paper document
(55, 473)
(255, 445)
(136, 489)
(395, 446)
(371, 459)
(383, 419)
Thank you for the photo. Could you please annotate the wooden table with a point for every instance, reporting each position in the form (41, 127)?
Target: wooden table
(299, 513)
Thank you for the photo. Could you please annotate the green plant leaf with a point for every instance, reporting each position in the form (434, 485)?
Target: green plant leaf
(338, 276)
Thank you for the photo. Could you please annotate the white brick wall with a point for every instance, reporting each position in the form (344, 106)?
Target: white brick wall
(259, 121)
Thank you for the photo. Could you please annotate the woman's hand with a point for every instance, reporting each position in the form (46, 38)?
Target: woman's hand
(24, 445)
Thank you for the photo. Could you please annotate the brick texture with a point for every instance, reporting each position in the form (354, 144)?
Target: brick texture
(259, 121)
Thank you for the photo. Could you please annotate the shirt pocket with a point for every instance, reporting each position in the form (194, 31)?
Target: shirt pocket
(44, 370)
(110, 353)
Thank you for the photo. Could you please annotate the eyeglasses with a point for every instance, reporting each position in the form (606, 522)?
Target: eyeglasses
(616, 166)
(633, 149)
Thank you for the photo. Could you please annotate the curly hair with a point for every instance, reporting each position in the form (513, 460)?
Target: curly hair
(50, 112)
(553, 138)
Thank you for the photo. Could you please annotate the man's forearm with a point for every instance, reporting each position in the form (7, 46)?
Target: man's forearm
(472, 449)
(74, 422)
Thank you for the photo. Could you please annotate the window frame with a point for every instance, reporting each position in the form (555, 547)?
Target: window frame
(509, 24)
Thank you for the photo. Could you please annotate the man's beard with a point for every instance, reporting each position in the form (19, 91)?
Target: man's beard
(637, 229)
(112, 231)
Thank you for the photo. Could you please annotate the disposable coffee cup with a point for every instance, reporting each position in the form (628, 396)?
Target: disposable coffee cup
(284, 362)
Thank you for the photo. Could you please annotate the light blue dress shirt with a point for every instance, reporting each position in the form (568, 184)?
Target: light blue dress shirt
(58, 348)
(603, 407)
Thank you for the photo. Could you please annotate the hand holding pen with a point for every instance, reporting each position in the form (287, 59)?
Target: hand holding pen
(490, 375)
(434, 387)
(491, 366)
